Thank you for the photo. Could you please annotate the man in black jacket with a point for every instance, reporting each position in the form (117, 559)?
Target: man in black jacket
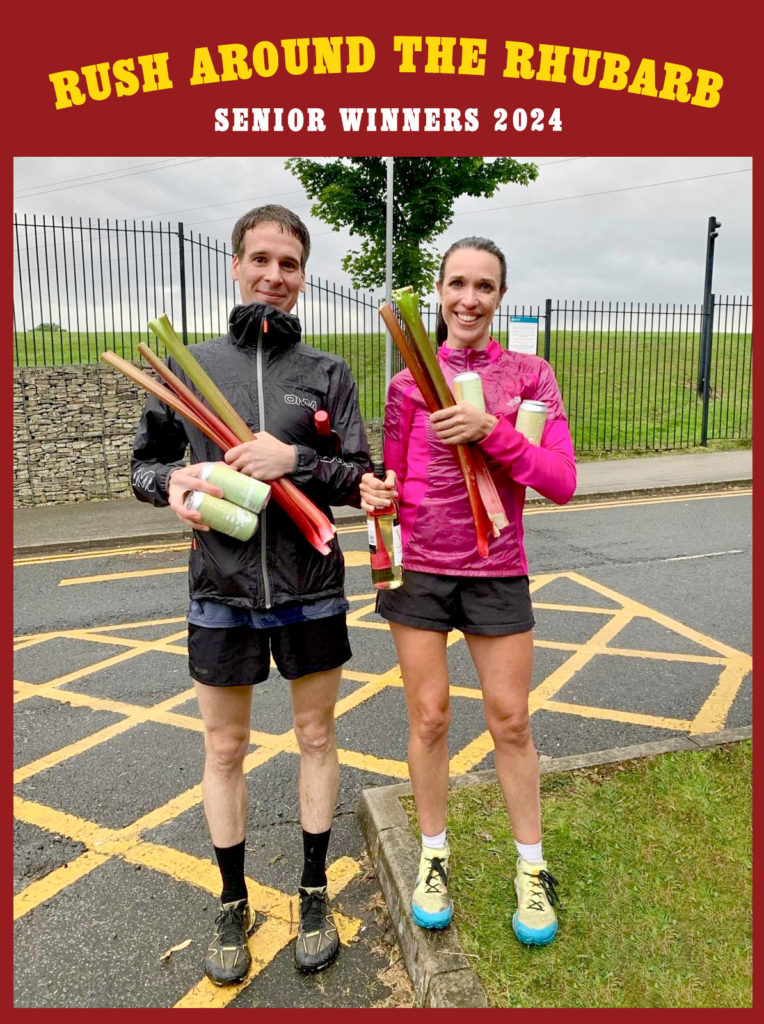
(274, 595)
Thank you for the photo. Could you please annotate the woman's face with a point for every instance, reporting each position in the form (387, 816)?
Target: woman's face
(470, 294)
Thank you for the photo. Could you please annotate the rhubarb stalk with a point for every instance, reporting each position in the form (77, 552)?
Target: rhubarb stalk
(206, 386)
(165, 395)
(417, 352)
(185, 392)
(285, 491)
(311, 521)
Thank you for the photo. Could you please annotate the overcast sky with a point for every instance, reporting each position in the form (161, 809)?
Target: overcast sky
(589, 228)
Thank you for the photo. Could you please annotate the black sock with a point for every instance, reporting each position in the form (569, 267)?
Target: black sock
(231, 863)
(314, 847)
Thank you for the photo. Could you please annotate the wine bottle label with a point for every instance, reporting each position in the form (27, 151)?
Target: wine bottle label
(397, 547)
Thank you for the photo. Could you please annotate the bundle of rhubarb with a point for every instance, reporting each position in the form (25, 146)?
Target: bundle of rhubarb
(419, 356)
(220, 423)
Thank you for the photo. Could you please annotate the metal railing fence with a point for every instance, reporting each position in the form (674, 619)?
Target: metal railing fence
(628, 372)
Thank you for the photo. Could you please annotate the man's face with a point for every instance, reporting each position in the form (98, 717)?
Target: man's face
(269, 268)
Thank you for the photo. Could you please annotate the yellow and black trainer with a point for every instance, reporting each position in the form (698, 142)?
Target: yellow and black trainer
(228, 958)
(535, 921)
(431, 906)
(317, 940)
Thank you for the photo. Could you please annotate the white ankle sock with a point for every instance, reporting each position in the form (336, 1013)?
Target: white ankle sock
(435, 842)
(530, 851)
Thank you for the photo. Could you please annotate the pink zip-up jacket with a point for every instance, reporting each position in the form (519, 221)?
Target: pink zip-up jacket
(437, 529)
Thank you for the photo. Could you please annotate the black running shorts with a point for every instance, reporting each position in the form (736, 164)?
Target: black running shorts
(241, 655)
(483, 605)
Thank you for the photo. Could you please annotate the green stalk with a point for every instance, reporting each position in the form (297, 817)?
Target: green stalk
(407, 302)
(410, 356)
(414, 345)
(163, 329)
(311, 520)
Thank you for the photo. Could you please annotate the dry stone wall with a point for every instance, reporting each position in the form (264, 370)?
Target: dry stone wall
(73, 429)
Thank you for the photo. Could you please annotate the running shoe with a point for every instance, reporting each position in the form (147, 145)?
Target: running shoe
(535, 921)
(228, 957)
(431, 906)
(317, 940)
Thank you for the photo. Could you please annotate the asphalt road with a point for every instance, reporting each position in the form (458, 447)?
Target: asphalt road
(643, 631)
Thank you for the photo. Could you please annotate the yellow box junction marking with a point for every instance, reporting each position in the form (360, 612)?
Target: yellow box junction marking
(734, 665)
(279, 908)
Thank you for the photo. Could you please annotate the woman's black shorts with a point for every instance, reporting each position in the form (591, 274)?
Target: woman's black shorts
(482, 605)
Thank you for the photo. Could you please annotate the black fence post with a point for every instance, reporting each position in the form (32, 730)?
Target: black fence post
(705, 334)
(547, 329)
(706, 369)
(182, 269)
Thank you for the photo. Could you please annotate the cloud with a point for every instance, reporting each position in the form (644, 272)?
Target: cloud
(590, 228)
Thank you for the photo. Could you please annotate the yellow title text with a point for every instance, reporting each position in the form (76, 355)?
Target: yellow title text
(355, 55)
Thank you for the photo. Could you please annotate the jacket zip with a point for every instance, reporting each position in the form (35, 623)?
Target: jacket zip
(261, 421)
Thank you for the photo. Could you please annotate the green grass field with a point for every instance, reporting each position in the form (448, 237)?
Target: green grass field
(654, 863)
(640, 391)
(632, 393)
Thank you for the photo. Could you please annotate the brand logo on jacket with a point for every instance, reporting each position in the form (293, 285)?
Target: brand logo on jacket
(332, 459)
(307, 403)
(144, 479)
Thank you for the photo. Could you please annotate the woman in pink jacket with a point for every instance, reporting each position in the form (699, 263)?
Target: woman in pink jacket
(448, 585)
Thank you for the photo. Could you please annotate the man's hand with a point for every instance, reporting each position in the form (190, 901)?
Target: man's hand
(462, 423)
(376, 493)
(179, 483)
(264, 458)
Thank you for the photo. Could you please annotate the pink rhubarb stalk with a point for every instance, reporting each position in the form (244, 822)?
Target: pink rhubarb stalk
(310, 520)
(417, 352)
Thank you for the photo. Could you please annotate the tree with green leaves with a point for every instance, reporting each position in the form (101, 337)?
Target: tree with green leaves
(351, 192)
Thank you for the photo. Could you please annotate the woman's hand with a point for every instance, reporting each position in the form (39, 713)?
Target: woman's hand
(179, 483)
(264, 458)
(462, 423)
(376, 493)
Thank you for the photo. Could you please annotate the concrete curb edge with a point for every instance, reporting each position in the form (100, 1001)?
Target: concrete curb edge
(436, 963)
(41, 548)
(148, 538)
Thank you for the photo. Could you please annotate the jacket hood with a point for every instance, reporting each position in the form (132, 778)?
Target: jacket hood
(244, 323)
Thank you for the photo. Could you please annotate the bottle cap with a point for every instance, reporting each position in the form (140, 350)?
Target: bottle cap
(321, 421)
(379, 470)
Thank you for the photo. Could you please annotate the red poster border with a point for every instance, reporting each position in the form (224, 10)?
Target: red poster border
(46, 38)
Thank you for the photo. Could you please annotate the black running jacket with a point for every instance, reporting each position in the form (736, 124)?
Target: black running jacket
(275, 383)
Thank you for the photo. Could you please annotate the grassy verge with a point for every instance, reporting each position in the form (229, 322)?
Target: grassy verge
(654, 861)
